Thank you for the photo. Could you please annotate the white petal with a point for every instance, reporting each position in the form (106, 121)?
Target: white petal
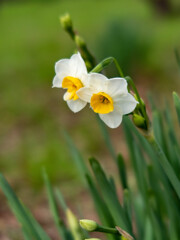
(125, 103)
(62, 70)
(74, 67)
(57, 82)
(112, 119)
(67, 95)
(85, 94)
(76, 105)
(98, 82)
(62, 66)
(85, 80)
(116, 86)
(77, 66)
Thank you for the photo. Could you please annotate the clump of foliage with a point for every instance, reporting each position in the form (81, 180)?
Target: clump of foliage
(149, 211)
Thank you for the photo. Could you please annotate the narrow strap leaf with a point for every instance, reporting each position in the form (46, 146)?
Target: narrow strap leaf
(60, 199)
(107, 138)
(177, 105)
(63, 232)
(18, 209)
(76, 156)
(122, 171)
(101, 207)
(110, 197)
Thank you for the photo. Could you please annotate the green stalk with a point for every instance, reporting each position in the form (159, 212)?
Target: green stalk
(108, 230)
(92, 226)
(165, 163)
(108, 61)
(67, 25)
(143, 111)
(118, 68)
(105, 62)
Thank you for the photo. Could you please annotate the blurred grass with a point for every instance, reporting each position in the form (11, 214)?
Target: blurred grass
(32, 114)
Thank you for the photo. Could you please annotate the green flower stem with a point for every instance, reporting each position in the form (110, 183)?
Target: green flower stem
(108, 230)
(165, 163)
(118, 68)
(105, 62)
(130, 81)
(67, 25)
(92, 226)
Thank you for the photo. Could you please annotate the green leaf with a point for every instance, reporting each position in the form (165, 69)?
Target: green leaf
(166, 137)
(151, 102)
(127, 203)
(63, 232)
(140, 171)
(76, 156)
(37, 226)
(19, 210)
(149, 230)
(101, 207)
(158, 226)
(157, 190)
(139, 210)
(152, 153)
(72, 221)
(166, 166)
(122, 171)
(107, 138)
(110, 197)
(26, 234)
(137, 159)
(60, 199)
(159, 130)
(177, 104)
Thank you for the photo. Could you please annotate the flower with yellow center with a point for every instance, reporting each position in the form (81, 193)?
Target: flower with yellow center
(71, 74)
(108, 97)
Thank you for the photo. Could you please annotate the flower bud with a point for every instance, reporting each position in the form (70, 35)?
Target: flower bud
(76, 231)
(72, 220)
(88, 225)
(139, 121)
(123, 238)
(142, 102)
(66, 22)
(79, 41)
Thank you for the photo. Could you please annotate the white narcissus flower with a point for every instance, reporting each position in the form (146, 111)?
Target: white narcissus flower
(71, 75)
(108, 97)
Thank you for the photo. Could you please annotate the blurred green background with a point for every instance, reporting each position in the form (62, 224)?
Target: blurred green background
(142, 35)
